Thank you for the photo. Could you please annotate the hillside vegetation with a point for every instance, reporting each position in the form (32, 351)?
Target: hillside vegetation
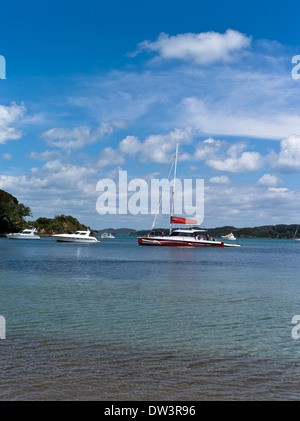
(265, 231)
(12, 213)
(60, 224)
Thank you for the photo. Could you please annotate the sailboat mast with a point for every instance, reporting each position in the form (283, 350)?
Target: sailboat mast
(295, 233)
(174, 186)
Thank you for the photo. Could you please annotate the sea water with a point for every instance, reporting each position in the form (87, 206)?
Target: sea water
(119, 321)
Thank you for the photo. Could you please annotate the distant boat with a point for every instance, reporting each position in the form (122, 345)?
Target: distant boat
(229, 236)
(294, 238)
(107, 235)
(77, 237)
(27, 234)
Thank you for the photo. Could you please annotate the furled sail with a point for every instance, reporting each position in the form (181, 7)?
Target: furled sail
(177, 220)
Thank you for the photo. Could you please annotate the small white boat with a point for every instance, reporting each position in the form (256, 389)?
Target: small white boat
(107, 235)
(27, 234)
(82, 237)
(229, 236)
(294, 238)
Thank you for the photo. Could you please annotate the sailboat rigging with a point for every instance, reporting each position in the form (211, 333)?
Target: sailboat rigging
(188, 237)
(294, 238)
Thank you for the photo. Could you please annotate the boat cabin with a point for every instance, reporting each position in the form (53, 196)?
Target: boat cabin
(186, 232)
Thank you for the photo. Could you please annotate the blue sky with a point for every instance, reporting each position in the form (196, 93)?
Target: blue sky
(96, 87)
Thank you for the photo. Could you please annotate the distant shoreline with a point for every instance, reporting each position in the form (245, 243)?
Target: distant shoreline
(280, 231)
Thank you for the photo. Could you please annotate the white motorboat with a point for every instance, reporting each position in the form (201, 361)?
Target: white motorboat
(229, 236)
(107, 235)
(82, 237)
(27, 234)
(294, 238)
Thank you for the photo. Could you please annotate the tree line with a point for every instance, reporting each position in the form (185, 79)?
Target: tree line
(13, 216)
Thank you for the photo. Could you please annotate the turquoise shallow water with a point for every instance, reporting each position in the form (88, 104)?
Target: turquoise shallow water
(119, 321)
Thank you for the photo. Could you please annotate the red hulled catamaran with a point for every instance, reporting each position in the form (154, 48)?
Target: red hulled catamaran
(179, 237)
(189, 237)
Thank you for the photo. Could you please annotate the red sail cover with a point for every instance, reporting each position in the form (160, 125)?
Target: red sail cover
(176, 220)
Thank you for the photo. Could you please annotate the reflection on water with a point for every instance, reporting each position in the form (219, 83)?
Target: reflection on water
(150, 322)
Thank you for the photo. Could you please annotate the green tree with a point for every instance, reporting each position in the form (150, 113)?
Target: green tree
(12, 213)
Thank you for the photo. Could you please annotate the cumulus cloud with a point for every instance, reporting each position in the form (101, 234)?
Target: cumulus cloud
(55, 188)
(222, 156)
(110, 157)
(247, 161)
(250, 205)
(202, 48)
(8, 116)
(44, 156)
(77, 138)
(207, 149)
(158, 148)
(222, 179)
(269, 180)
(130, 145)
(288, 159)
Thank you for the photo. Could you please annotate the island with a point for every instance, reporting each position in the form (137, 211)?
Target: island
(13, 216)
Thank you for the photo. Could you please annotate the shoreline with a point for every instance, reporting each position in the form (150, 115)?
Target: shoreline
(137, 235)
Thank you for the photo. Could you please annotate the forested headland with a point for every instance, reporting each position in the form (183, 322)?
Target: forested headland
(14, 215)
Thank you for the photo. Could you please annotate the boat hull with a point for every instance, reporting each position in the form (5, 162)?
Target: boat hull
(76, 240)
(170, 242)
(22, 237)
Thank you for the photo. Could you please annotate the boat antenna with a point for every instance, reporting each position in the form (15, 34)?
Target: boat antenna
(174, 186)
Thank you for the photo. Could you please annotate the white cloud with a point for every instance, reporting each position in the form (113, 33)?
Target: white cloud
(8, 116)
(269, 180)
(130, 145)
(288, 159)
(77, 138)
(222, 179)
(110, 157)
(207, 149)
(257, 123)
(44, 156)
(250, 206)
(158, 148)
(7, 156)
(55, 188)
(225, 157)
(161, 148)
(202, 48)
(279, 189)
(248, 161)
